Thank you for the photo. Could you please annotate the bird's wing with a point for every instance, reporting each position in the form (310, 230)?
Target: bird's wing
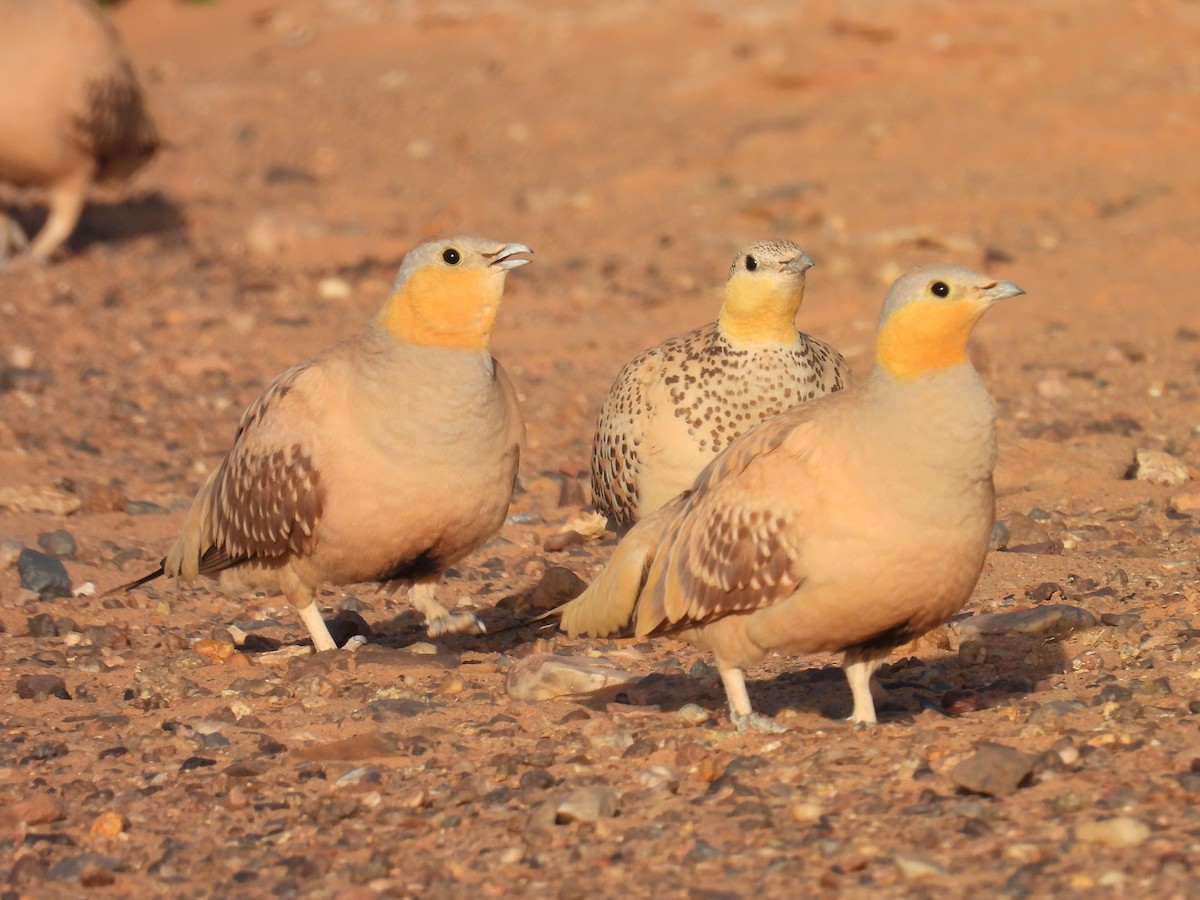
(265, 499)
(512, 407)
(734, 543)
(620, 435)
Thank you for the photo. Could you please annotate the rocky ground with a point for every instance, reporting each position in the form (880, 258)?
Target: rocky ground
(173, 742)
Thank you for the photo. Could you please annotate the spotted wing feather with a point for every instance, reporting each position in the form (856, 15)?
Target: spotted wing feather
(264, 502)
(727, 549)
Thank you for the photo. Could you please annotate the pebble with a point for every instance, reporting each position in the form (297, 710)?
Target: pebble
(994, 770)
(693, 714)
(544, 676)
(369, 745)
(10, 549)
(42, 625)
(60, 543)
(26, 499)
(108, 825)
(914, 865)
(556, 587)
(1188, 502)
(563, 540)
(1120, 831)
(1028, 536)
(1056, 619)
(213, 652)
(659, 778)
(334, 288)
(44, 574)
(998, 539)
(40, 687)
(588, 804)
(1158, 467)
(1190, 782)
(37, 810)
(89, 869)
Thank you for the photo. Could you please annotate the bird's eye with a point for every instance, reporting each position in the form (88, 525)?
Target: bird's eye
(940, 289)
(751, 263)
(451, 256)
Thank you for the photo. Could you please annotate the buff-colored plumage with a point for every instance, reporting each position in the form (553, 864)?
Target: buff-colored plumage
(71, 111)
(676, 406)
(388, 457)
(853, 523)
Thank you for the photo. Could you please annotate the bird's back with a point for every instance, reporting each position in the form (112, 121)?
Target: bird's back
(675, 407)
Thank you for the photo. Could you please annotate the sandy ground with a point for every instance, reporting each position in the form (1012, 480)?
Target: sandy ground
(635, 146)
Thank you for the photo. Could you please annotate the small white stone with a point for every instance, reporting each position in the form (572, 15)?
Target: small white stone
(334, 288)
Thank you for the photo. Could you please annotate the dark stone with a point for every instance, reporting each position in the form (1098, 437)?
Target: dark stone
(42, 625)
(39, 687)
(196, 762)
(1044, 591)
(89, 869)
(701, 852)
(391, 708)
(994, 770)
(1113, 693)
(557, 586)
(956, 703)
(536, 779)
(44, 574)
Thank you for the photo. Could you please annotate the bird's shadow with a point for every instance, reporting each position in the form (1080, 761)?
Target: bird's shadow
(993, 672)
(112, 222)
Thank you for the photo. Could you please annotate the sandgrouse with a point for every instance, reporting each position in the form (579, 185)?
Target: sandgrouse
(387, 457)
(71, 112)
(676, 406)
(853, 523)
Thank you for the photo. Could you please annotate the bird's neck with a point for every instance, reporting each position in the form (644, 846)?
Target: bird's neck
(755, 313)
(430, 310)
(924, 337)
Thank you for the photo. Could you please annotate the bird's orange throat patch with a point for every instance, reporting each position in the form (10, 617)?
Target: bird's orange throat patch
(757, 313)
(926, 336)
(436, 308)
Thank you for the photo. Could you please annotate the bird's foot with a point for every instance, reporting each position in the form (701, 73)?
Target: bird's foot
(859, 724)
(458, 621)
(12, 239)
(753, 721)
(356, 641)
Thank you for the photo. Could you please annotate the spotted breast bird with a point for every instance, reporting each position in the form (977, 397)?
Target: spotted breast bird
(71, 112)
(853, 523)
(676, 406)
(387, 458)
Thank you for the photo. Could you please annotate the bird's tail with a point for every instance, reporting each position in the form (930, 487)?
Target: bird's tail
(145, 579)
(609, 605)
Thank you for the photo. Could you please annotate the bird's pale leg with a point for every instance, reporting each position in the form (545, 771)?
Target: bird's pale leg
(438, 620)
(740, 711)
(858, 672)
(66, 204)
(317, 629)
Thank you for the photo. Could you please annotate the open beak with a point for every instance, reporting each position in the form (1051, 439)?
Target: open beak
(504, 258)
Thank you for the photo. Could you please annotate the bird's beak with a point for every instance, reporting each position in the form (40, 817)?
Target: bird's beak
(1002, 290)
(799, 264)
(504, 258)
